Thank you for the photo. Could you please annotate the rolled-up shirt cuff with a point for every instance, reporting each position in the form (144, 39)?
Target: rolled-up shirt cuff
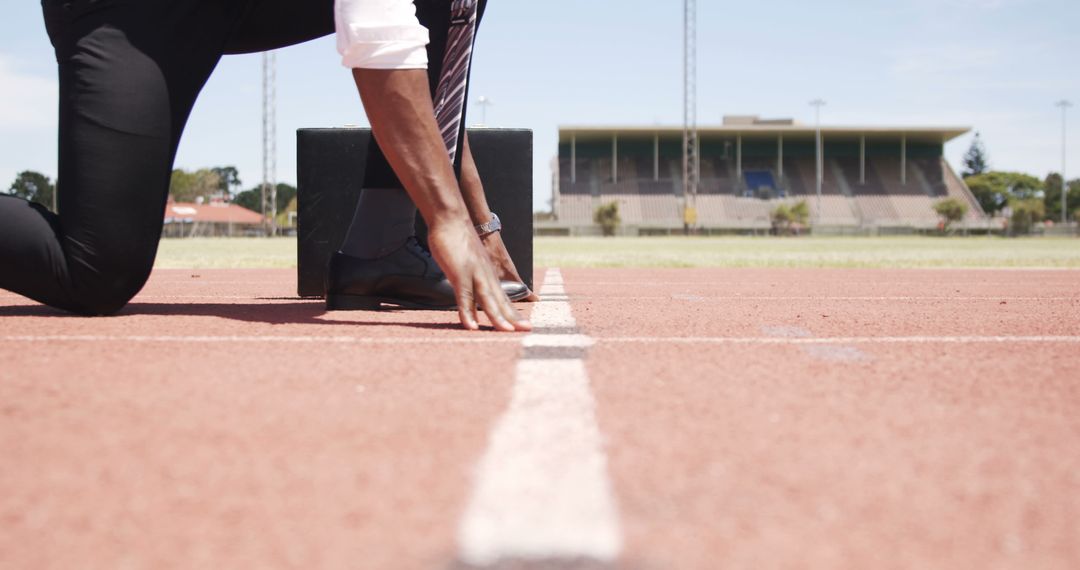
(384, 47)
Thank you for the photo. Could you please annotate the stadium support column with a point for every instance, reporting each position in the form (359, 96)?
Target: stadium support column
(1064, 156)
(862, 159)
(903, 160)
(820, 159)
(780, 157)
(738, 158)
(656, 157)
(615, 158)
(573, 158)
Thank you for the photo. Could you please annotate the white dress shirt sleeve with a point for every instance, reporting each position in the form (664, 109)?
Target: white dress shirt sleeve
(380, 34)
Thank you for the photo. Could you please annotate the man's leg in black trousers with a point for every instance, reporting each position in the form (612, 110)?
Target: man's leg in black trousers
(129, 75)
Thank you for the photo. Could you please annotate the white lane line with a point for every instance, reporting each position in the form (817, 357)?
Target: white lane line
(558, 341)
(835, 353)
(841, 340)
(700, 298)
(575, 343)
(262, 339)
(622, 298)
(825, 352)
(542, 491)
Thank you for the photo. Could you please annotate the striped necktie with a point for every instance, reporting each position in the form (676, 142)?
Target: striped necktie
(450, 93)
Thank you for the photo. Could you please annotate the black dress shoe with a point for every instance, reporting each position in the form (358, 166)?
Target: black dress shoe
(406, 277)
(514, 291)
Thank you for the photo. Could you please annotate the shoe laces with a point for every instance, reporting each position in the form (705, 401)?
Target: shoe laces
(414, 244)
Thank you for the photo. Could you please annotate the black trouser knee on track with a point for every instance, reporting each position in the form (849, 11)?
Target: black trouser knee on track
(130, 71)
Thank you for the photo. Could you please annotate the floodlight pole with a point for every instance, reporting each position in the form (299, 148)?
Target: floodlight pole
(269, 132)
(1064, 104)
(817, 104)
(691, 148)
(484, 103)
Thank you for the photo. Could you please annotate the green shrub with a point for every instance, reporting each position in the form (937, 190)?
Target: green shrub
(800, 212)
(607, 216)
(951, 211)
(785, 219)
(1025, 214)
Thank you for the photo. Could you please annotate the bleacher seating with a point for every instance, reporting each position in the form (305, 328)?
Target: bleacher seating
(575, 209)
(760, 179)
(716, 177)
(876, 209)
(659, 188)
(888, 172)
(801, 173)
(835, 209)
(711, 210)
(629, 207)
(660, 210)
(748, 209)
(882, 200)
(915, 211)
(934, 173)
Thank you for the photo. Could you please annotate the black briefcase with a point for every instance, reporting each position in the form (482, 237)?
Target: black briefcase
(330, 172)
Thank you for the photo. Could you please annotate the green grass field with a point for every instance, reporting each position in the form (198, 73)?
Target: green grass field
(890, 252)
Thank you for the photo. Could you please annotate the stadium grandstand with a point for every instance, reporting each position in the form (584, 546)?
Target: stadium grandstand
(875, 179)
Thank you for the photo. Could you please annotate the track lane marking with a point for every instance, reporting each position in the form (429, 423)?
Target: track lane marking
(842, 340)
(542, 493)
(261, 339)
(700, 298)
(506, 339)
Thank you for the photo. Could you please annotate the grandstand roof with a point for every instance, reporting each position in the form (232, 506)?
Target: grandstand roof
(928, 134)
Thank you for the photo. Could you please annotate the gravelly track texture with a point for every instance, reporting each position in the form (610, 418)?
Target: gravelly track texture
(217, 422)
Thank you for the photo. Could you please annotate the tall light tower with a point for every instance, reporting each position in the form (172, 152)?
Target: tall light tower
(1064, 104)
(817, 104)
(691, 154)
(484, 103)
(269, 134)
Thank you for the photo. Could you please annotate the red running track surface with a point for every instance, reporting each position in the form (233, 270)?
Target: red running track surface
(218, 422)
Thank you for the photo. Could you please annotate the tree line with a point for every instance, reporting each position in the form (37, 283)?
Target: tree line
(1030, 199)
(220, 182)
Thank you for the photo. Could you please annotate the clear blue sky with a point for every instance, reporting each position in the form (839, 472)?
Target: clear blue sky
(995, 65)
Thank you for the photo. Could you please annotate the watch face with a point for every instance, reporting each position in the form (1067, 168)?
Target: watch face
(491, 227)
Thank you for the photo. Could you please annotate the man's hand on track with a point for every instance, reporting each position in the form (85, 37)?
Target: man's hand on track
(459, 253)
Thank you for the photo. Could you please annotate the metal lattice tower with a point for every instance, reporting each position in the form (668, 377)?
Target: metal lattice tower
(1064, 105)
(691, 150)
(269, 132)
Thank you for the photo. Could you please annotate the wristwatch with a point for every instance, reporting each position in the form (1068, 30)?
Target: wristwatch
(491, 227)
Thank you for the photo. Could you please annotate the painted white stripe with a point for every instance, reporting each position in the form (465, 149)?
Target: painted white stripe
(843, 340)
(622, 298)
(699, 298)
(541, 489)
(552, 314)
(506, 338)
(558, 341)
(263, 339)
(826, 352)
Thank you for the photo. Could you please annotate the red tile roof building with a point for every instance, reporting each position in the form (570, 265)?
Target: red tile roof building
(183, 219)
